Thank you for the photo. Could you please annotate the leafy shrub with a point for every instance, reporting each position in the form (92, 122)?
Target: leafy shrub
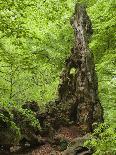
(9, 132)
(16, 124)
(103, 140)
(25, 117)
(27, 122)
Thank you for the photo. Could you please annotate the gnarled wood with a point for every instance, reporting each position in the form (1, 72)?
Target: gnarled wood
(79, 85)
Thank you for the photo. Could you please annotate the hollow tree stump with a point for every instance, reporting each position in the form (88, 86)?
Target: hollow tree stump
(79, 84)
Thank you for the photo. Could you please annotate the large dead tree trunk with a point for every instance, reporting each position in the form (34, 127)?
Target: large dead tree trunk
(79, 84)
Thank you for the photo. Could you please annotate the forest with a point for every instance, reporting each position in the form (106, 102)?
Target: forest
(39, 82)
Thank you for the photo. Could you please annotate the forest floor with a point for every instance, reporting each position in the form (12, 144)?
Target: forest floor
(71, 135)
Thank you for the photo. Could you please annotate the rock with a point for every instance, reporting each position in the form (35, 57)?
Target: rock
(77, 151)
(9, 132)
(76, 146)
(79, 141)
(28, 124)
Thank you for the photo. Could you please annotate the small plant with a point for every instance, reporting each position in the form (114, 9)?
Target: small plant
(103, 140)
(63, 145)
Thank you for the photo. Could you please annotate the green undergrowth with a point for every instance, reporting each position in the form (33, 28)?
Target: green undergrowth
(103, 140)
(17, 123)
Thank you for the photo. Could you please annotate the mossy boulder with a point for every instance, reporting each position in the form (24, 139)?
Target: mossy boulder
(30, 127)
(9, 131)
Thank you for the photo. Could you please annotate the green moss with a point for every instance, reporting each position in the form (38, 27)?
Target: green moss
(10, 133)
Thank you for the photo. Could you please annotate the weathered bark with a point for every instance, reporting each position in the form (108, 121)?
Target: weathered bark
(79, 85)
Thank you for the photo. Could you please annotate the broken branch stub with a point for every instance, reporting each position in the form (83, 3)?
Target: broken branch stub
(79, 84)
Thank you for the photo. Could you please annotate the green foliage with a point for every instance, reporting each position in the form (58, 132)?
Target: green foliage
(103, 140)
(17, 123)
(31, 49)
(63, 145)
(103, 18)
(102, 14)
(9, 132)
(25, 118)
